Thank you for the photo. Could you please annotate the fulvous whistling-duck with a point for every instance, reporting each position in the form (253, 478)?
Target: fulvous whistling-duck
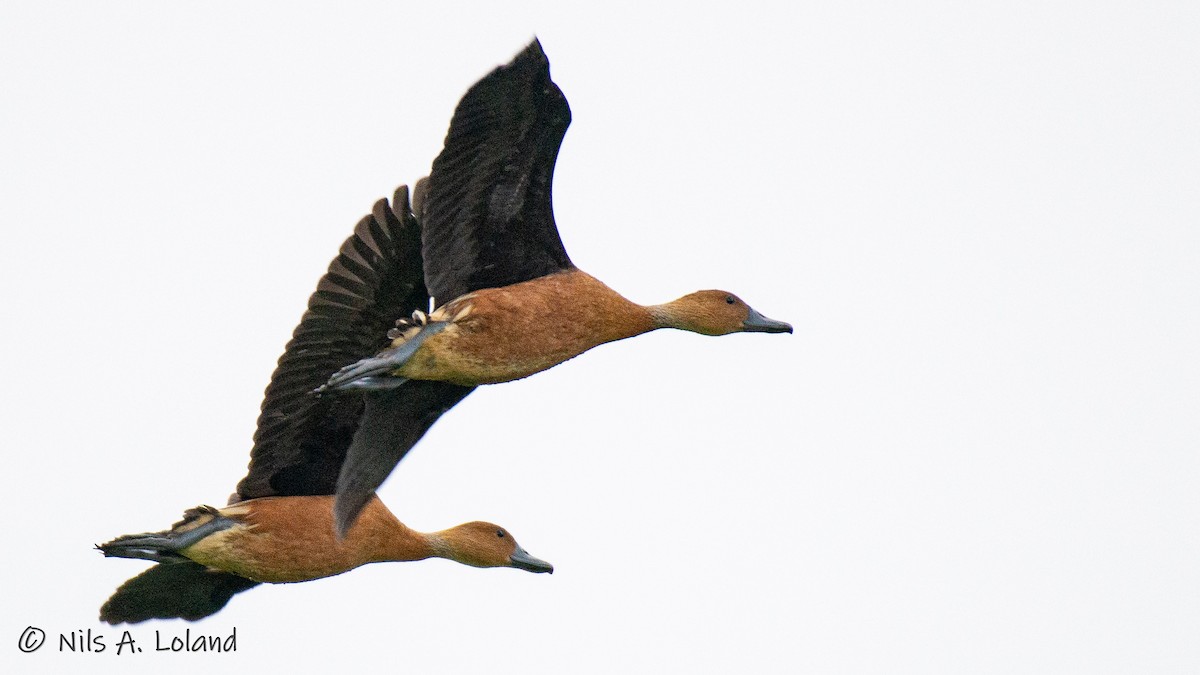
(279, 524)
(511, 302)
(214, 553)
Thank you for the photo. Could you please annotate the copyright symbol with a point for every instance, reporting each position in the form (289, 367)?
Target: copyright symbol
(31, 639)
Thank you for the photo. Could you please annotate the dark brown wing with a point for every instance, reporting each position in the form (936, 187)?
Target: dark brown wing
(174, 590)
(391, 424)
(302, 439)
(488, 220)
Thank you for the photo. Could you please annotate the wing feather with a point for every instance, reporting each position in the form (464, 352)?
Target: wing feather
(377, 277)
(488, 220)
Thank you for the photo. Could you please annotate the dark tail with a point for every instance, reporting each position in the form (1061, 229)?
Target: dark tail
(177, 588)
(173, 590)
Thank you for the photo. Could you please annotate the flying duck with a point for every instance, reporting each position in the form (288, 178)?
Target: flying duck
(213, 553)
(507, 301)
(278, 526)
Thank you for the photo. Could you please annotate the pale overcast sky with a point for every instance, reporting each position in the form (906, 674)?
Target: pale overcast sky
(976, 454)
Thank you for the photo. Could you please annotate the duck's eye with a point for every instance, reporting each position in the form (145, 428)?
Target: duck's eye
(500, 533)
(729, 299)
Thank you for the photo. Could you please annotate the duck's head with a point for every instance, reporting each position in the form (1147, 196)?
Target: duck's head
(481, 544)
(715, 313)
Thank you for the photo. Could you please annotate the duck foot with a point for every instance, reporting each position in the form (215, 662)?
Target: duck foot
(376, 370)
(367, 383)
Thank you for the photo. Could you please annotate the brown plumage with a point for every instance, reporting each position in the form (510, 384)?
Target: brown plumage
(287, 540)
(510, 302)
(503, 334)
(279, 525)
(290, 539)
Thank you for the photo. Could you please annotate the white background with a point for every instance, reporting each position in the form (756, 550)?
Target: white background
(978, 452)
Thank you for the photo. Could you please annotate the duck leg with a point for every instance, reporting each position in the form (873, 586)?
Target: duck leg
(366, 383)
(374, 373)
(165, 546)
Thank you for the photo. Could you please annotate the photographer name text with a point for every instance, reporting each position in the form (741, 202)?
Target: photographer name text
(85, 641)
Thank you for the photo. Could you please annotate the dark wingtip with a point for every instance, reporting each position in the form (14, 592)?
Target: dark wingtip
(184, 590)
(346, 508)
(401, 208)
(532, 52)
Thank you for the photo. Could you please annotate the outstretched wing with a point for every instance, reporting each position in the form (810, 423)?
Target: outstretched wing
(173, 590)
(376, 278)
(487, 220)
(392, 424)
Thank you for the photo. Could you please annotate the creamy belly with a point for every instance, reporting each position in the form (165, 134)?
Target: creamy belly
(263, 556)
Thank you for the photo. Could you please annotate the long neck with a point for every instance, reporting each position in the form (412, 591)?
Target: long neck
(635, 320)
(599, 313)
(676, 314)
(441, 544)
(403, 544)
(386, 539)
